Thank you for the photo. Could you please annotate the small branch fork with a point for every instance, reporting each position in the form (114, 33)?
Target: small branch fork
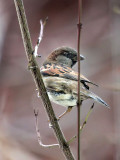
(56, 145)
(38, 133)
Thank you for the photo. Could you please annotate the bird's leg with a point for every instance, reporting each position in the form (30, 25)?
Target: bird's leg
(86, 118)
(67, 111)
(64, 113)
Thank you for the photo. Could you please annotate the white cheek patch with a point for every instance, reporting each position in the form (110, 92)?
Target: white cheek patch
(64, 60)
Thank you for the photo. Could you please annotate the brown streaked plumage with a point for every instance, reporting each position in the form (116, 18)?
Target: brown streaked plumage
(61, 80)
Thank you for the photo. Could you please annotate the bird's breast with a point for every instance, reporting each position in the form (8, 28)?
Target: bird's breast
(62, 99)
(60, 91)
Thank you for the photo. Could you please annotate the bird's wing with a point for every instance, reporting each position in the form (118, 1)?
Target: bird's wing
(60, 74)
(64, 72)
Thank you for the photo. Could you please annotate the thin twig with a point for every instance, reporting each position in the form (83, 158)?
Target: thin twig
(78, 49)
(38, 133)
(42, 25)
(86, 118)
(38, 79)
(72, 139)
(83, 125)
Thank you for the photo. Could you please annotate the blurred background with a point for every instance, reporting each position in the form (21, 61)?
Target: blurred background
(100, 44)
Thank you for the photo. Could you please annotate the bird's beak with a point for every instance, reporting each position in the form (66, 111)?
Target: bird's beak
(82, 57)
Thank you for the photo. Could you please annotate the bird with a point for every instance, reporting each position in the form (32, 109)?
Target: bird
(61, 81)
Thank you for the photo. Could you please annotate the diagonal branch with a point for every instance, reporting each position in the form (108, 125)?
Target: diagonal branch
(34, 68)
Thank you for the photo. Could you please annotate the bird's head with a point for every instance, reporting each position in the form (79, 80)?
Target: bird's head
(63, 55)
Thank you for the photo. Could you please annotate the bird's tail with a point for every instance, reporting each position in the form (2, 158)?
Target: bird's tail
(96, 98)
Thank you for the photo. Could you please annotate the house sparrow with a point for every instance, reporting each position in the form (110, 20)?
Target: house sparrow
(61, 81)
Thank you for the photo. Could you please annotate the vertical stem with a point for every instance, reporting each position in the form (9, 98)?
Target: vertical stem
(78, 49)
